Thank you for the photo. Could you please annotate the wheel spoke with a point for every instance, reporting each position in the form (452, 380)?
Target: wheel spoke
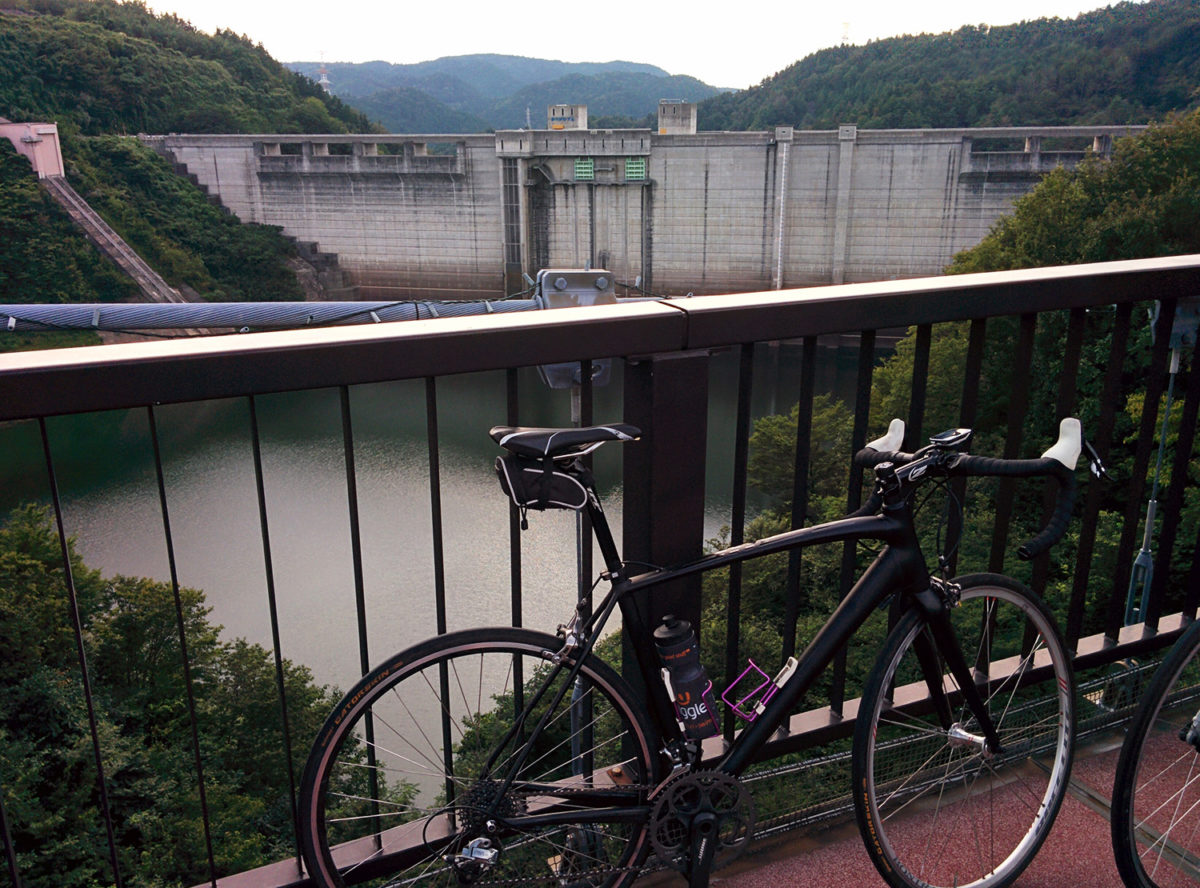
(938, 811)
(418, 833)
(1156, 789)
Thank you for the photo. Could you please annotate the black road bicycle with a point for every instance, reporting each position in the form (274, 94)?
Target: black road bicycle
(1156, 790)
(504, 756)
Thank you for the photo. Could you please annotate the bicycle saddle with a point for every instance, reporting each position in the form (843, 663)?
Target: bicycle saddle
(558, 443)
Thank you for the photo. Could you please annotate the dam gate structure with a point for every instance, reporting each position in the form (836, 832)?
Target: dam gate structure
(468, 216)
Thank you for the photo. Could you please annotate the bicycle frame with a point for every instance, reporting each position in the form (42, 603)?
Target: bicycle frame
(899, 570)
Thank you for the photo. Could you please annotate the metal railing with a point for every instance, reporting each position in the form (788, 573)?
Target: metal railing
(665, 352)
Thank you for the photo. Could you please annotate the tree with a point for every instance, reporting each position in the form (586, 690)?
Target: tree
(1144, 202)
(1128, 63)
(47, 763)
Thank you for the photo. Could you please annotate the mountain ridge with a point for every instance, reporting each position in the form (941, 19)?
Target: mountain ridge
(496, 90)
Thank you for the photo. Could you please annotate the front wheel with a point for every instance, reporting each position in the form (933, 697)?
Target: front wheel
(1156, 791)
(425, 774)
(935, 806)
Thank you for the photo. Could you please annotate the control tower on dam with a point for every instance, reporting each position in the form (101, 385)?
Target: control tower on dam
(465, 216)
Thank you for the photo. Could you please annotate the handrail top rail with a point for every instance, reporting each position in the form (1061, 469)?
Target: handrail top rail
(303, 338)
(52, 382)
(783, 314)
(106, 377)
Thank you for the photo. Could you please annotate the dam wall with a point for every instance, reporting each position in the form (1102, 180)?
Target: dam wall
(454, 217)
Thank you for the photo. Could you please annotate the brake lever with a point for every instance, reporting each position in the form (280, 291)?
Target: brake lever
(1095, 464)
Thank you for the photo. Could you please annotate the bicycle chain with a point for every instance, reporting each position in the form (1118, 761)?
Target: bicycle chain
(742, 810)
(565, 791)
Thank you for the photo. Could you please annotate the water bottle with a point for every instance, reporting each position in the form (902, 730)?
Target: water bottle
(686, 679)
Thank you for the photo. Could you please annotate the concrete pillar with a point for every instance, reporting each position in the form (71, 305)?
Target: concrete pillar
(1033, 147)
(514, 222)
(847, 136)
(783, 154)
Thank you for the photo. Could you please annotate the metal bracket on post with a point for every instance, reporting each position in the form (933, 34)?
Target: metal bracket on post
(1183, 333)
(570, 288)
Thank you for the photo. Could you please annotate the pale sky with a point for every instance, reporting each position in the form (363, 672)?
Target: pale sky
(732, 44)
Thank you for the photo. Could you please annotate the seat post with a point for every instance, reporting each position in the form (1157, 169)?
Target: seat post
(603, 533)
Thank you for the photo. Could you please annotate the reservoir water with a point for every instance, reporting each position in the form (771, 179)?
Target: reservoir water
(111, 504)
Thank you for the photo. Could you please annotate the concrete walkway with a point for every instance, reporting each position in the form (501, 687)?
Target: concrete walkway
(1077, 854)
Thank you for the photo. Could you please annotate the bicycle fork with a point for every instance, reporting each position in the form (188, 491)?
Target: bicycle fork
(934, 603)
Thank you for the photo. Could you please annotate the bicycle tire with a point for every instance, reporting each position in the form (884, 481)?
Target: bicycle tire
(394, 793)
(1156, 787)
(933, 810)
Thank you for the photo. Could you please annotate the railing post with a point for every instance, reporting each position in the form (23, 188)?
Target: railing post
(667, 398)
(10, 852)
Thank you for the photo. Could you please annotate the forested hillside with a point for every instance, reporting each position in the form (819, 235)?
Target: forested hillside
(465, 78)
(1128, 63)
(97, 66)
(101, 70)
(46, 764)
(407, 109)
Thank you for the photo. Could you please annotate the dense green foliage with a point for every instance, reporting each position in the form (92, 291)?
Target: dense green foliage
(99, 68)
(476, 92)
(44, 257)
(107, 67)
(47, 766)
(1127, 63)
(1145, 202)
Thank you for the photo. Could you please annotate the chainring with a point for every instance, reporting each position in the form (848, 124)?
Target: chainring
(701, 792)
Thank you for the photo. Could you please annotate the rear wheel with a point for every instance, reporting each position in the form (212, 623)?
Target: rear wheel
(1156, 792)
(934, 807)
(422, 775)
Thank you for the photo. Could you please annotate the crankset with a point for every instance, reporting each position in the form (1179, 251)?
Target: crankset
(700, 822)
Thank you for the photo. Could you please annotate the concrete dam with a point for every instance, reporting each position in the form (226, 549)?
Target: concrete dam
(465, 216)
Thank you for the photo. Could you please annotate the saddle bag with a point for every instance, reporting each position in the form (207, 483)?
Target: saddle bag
(539, 484)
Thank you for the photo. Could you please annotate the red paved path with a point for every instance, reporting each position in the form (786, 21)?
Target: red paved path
(1077, 854)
